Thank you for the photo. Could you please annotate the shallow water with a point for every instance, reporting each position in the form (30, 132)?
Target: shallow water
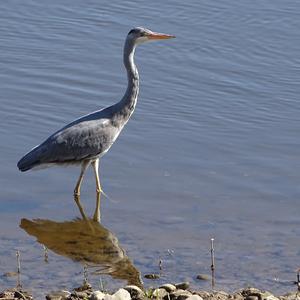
(211, 151)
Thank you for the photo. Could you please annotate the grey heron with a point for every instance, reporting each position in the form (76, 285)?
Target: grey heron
(88, 138)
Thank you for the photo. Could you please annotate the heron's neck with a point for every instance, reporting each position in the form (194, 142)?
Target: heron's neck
(129, 99)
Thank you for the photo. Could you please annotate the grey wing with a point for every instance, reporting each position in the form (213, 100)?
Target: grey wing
(84, 139)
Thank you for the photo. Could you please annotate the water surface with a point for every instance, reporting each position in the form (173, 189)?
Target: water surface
(211, 151)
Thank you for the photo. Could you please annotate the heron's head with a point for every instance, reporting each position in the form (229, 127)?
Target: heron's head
(141, 35)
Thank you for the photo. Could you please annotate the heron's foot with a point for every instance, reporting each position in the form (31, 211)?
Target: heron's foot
(101, 192)
(96, 217)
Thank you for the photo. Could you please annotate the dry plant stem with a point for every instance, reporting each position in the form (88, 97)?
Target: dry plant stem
(160, 265)
(45, 254)
(101, 285)
(85, 275)
(18, 269)
(212, 254)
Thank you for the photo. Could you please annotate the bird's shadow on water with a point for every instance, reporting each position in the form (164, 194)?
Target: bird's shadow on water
(87, 242)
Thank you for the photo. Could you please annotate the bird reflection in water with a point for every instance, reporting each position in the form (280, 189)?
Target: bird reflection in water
(87, 242)
(97, 213)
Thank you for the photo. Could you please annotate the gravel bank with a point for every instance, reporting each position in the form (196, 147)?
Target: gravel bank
(180, 291)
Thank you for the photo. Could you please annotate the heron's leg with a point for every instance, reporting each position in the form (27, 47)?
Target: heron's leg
(97, 213)
(80, 207)
(95, 165)
(84, 166)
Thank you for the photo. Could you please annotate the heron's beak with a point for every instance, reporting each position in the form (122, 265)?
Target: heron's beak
(159, 36)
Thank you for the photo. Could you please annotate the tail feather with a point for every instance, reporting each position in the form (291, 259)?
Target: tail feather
(29, 160)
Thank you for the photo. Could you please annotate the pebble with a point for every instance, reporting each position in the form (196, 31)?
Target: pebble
(134, 291)
(194, 297)
(80, 295)
(164, 292)
(179, 294)
(159, 293)
(292, 296)
(255, 294)
(7, 294)
(121, 294)
(152, 276)
(250, 292)
(10, 274)
(97, 295)
(182, 285)
(168, 287)
(251, 298)
(202, 294)
(15, 294)
(58, 295)
(203, 277)
(237, 296)
(269, 296)
(220, 295)
(85, 287)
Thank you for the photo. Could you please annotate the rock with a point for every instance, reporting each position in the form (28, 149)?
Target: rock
(152, 276)
(252, 297)
(203, 277)
(97, 295)
(249, 291)
(168, 287)
(268, 296)
(7, 294)
(15, 293)
(256, 294)
(121, 294)
(58, 295)
(84, 288)
(134, 291)
(194, 297)
(10, 274)
(203, 294)
(80, 295)
(220, 295)
(21, 294)
(178, 295)
(236, 296)
(182, 285)
(292, 296)
(159, 293)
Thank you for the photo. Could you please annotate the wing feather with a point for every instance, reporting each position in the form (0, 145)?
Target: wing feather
(87, 137)
(83, 140)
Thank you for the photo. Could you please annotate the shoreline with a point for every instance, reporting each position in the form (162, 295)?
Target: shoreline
(168, 291)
